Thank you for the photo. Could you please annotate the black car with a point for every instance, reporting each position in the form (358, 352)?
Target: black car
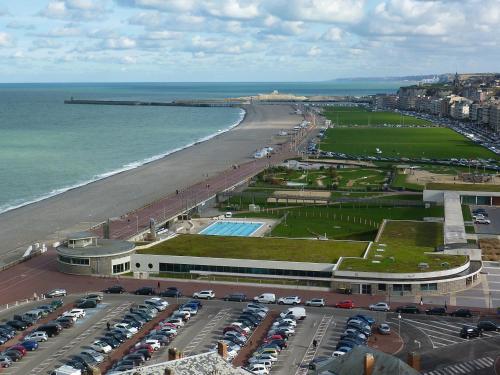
(468, 332)
(125, 363)
(65, 321)
(171, 292)
(145, 353)
(48, 308)
(137, 318)
(436, 311)
(26, 319)
(7, 333)
(17, 324)
(115, 289)
(408, 309)
(83, 367)
(123, 367)
(118, 337)
(3, 339)
(249, 323)
(315, 361)
(111, 341)
(87, 304)
(87, 362)
(238, 297)
(14, 355)
(131, 322)
(488, 325)
(51, 329)
(135, 357)
(462, 313)
(145, 291)
(281, 343)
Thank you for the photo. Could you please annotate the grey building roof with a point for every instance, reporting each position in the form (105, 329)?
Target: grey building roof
(352, 363)
(202, 364)
(104, 248)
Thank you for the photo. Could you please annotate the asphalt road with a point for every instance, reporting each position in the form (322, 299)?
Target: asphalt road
(494, 216)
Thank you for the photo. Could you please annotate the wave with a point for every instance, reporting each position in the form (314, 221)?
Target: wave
(124, 168)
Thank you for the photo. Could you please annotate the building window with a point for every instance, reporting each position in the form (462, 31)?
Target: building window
(382, 287)
(137, 265)
(401, 287)
(150, 265)
(74, 261)
(122, 267)
(429, 287)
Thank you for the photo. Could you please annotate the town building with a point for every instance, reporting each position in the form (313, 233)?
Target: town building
(494, 117)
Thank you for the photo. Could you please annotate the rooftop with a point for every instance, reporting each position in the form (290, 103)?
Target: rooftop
(100, 248)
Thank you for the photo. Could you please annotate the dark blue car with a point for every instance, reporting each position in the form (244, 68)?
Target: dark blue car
(30, 345)
(368, 319)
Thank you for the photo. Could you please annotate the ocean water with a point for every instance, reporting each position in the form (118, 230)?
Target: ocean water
(47, 147)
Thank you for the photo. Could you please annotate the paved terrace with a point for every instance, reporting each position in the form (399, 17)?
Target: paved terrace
(454, 228)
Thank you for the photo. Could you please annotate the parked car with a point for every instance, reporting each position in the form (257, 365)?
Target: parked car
(408, 309)
(65, 321)
(57, 303)
(5, 361)
(436, 311)
(265, 298)
(30, 345)
(468, 332)
(13, 355)
(316, 302)
(37, 336)
(291, 300)
(101, 346)
(380, 306)
(347, 304)
(204, 294)
(384, 329)
(313, 363)
(461, 313)
(17, 324)
(87, 304)
(52, 329)
(488, 325)
(56, 293)
(171, 292)
(115, 289)
(238, 297)
(480, 220)
(145, 291)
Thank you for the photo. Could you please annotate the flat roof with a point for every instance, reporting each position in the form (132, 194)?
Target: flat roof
(454, 228)
(104, 248)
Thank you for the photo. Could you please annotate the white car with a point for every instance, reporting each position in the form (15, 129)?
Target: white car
(178, 322)
(192, 310)
(157, 303)
(381, 306)
(204, 294)
(292, 300)
(169, 330)
(56, 293)
(482, 221)
(258, 368)
(101, 347)
(288, 322)
(155, 344)
(37, 336)
(266, 356)
(316, 302)
(240, 326)
(287, 329)
(126, 326)
(337, 353)
(79, 313)
(98, 357)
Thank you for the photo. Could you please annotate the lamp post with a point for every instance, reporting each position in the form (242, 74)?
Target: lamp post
(399, 325)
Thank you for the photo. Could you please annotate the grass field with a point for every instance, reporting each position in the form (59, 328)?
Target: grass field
(257, 248)
(464, 187)
(432, 143)
(399, 182)
(406, 244)
(346, 223)
(361, 116)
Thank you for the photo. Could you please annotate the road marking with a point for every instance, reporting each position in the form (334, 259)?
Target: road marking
(312, 350)
(464, 367)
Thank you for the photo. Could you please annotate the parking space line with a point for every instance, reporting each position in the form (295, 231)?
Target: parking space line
(312, 349)
(464, 367)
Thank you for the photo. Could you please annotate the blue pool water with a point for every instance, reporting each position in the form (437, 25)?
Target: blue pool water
(232, 228)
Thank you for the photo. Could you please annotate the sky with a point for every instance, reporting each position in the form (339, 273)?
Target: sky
(244, 40)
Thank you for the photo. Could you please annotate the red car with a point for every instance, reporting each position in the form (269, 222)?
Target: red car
(347, 304)
(148, 347)
(19, 348)
(274, 337)
(236, 329)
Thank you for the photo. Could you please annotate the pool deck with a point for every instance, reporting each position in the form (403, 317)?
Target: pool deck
(198, 225)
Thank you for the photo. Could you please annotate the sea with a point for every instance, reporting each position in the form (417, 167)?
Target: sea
(48, 147)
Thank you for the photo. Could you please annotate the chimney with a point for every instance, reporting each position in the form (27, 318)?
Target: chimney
(368, 364)
(105, 230)
(178, 354)
(414, 360)
(172, 354)
(222, 349)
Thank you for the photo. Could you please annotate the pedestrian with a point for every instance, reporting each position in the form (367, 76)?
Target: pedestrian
(421, 301)
(109, 326)
(315, 343)
(445, 306)
(158, 285)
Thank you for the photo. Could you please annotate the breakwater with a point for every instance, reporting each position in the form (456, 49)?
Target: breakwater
(184, 103)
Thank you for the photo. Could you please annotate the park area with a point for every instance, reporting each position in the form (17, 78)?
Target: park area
(402, 247)
(342, 222)
(431, 143)
(280, 249)
(348, 116)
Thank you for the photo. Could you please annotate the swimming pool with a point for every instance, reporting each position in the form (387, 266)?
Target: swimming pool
(232, 228)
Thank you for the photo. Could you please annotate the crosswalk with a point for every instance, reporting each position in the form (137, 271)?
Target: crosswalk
(440, 332)
(469, 367)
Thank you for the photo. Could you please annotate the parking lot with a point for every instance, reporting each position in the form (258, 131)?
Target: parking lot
(493, 216)
(201, 333)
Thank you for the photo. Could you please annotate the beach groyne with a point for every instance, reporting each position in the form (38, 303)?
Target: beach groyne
(184, 103)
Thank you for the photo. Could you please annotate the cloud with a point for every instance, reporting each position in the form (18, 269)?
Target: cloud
(232, 9)
(122, 42)
(45, 44)
(274, 25)
(20, 26)
(78, 10)
(66, 31)
(161, 5)
(333, 34)
(5, 40)
(314, 51)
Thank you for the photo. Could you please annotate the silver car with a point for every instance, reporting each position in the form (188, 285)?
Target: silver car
(381, 306)
(316, 302)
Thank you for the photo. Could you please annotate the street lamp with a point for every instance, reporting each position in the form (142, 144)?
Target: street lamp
(399, 324)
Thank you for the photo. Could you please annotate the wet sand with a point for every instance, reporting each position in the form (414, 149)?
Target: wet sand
(116, 195)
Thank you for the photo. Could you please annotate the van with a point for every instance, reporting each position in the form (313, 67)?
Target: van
(296, 313)
(52, 329)
(266, 298)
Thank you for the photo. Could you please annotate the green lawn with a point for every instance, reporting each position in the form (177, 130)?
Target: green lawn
(349, 223)
(406, 244)
(399, 182)
(257, 248)
(464, 187)
(432, 142)
(361, 116)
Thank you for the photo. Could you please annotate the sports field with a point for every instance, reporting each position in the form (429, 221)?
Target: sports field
(432, 143)
(361, 116)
